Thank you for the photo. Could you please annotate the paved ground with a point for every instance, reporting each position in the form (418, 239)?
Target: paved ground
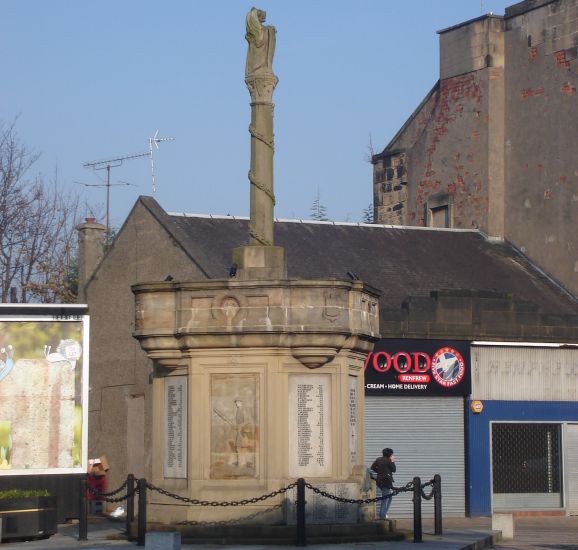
(540, 533)
(543, 533)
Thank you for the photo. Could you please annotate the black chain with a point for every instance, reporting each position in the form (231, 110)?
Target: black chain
(107, 496)
(111, 494)
(395, 491)
(431, 483)
(215, 503)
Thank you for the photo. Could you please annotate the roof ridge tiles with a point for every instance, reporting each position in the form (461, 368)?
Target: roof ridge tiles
(330, 222)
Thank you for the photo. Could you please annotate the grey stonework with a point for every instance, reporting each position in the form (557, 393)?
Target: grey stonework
(474, 315)
(495, 136)
(91, 236)
(391, 179)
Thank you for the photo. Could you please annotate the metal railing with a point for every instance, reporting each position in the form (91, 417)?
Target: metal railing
(142, 486)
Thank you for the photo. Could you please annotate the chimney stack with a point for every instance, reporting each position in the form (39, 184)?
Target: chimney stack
(90, 251)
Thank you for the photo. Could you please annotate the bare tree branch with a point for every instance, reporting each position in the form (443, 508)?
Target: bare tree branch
(37, 221)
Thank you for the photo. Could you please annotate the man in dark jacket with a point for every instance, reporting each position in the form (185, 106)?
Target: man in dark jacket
(384, 466)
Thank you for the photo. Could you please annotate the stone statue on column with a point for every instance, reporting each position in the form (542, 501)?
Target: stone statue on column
(261, 82)
(260, 259)
(261, 41)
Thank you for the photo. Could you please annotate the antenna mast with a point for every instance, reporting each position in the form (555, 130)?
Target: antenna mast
(107, 165)
(156, 140)
(115, 162)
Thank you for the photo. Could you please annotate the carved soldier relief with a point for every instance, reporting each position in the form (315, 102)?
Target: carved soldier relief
(234, 426)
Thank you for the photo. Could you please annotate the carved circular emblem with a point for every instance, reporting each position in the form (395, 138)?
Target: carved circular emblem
(230, 307)
(447, 367)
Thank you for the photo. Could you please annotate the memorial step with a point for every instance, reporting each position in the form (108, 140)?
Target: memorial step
(283, 534)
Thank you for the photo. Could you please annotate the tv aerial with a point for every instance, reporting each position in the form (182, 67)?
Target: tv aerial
(118, 161)
(156, 140)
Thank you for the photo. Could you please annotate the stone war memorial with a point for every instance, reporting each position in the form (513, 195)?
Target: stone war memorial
(258, 378)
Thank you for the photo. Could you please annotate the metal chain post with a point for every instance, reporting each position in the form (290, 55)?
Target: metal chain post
(301, 529)
(142, 511)
(438, 504)
(129, 503)
(300, 484)
(82, 511)
(417, 531)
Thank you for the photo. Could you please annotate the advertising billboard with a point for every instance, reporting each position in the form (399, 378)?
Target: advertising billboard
(43, 390)
(418, 367)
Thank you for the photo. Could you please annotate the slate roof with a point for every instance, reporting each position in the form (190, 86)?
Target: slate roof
(399, 261)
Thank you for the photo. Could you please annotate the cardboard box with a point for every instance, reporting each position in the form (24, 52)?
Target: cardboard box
(98, 466)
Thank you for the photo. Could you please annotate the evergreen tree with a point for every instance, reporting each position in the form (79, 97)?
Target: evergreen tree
(367, 214)
(318, 210)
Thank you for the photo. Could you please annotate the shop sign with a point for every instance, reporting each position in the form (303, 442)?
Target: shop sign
(418, 367)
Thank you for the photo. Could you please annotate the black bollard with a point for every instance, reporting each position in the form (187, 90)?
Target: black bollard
(142, 512)
(82, 511)
(438, 504)
(417, 531)
(129, 503)
(301, 531)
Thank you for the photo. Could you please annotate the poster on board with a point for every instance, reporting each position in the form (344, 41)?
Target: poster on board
(43, 393)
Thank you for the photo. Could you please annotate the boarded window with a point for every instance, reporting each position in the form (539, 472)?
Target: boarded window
(439, 216)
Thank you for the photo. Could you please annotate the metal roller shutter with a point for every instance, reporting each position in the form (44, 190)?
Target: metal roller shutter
(572, 469)
(427, 436)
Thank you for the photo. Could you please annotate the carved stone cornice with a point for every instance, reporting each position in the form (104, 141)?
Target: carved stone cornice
(316, 319)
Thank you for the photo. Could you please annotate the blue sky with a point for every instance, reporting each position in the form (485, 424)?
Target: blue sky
(93, 80)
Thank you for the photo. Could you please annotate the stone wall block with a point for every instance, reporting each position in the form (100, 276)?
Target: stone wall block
(527, 319)
(496, 322)
(424, 329)
(421, 310)
(454, 311)
(155, 310)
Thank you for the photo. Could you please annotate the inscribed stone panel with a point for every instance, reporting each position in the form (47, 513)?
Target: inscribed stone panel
(353, 411)
(175, 454)
(309, 425)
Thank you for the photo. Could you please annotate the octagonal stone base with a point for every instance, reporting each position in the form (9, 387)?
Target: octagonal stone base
(256, 383)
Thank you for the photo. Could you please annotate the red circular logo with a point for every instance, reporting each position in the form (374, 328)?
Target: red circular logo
(447, 367)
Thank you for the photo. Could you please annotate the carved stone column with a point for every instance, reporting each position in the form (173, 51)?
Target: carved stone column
(260, 259)
(262, 148)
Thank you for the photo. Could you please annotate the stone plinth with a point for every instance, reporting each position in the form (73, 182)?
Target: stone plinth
(159, 540)
(256, 383)
(505, 524)
(260, 262)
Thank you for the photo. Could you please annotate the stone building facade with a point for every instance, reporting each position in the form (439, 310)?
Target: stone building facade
(482, 290)
(491, 146)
